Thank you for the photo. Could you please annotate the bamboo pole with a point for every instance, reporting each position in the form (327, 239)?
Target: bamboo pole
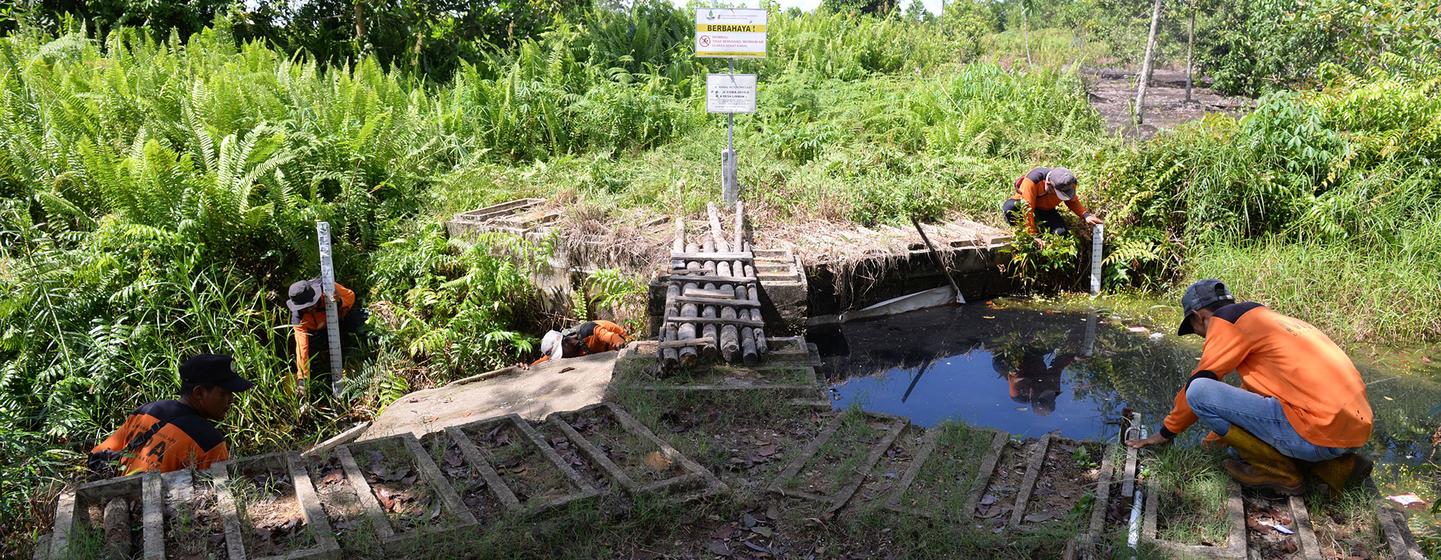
(754, 292)
(685, 331)
(708, 311)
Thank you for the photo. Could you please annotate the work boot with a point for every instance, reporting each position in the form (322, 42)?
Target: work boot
(1342, 472)
(1261, 467)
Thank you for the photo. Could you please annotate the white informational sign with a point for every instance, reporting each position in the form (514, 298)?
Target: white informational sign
(730, 32)
(730, 93)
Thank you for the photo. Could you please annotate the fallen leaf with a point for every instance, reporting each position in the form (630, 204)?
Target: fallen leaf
(657, 461)
(1038, 517)
(988, 500)
(773, 512)
(718, 548)
(756, 547)
(762, 531)
(748, 520)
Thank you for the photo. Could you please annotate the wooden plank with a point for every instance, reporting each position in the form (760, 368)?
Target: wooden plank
(576, 480)
(1103, 495)
(684, 343)
(153, 517)
(863, 470)
(364, 494)
(983, 474)
(64, 523)
(810, 449)
(431, 472)
(1035, 463)
(724, 301)
(225, 502)
(708, 293)
(704, 320)
(1128, 477)
(716, 256)
(480, 462)
(310, 505)
(933, 438)
(715, 279)
(1310, 547)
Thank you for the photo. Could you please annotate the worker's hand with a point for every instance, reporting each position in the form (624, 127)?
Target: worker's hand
(1147, 442)
(1093, 220)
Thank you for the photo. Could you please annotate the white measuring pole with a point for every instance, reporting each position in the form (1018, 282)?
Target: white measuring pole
(1098, 235)
(332, 312)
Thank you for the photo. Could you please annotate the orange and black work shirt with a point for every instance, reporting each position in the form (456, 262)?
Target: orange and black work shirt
(1031, 189)
(598, 336)
(165, 436)
(1277, 356)
(313, 320)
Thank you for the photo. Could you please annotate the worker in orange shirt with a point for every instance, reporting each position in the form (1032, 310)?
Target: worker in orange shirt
(1301, 398)
(307, 313)
(1042, 190)
(164, 436)
(590, 337)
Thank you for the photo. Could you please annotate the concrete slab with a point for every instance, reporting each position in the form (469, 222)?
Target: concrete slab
(534, 393)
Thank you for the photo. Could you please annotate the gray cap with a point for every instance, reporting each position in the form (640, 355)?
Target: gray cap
(1199, 295)
(1063, 181)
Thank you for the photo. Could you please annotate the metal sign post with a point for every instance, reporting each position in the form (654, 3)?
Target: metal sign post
(730, 33)
(332, 313)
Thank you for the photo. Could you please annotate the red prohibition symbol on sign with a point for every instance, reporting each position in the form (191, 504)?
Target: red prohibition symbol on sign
(705, 40)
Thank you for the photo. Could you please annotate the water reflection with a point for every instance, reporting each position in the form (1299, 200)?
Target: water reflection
(1034, 370)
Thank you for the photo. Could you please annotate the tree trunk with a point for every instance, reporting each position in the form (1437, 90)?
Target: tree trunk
(1190, 46)
(360, 26)
(1145, 78)
(1026, 30)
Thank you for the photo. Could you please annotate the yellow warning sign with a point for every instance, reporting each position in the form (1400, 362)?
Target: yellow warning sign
(729, 28)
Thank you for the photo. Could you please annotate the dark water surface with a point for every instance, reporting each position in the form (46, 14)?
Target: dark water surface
(1030, 371)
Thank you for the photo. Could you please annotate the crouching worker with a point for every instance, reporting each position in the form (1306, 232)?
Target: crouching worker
(164, 436)
(1041, 190)
(1301, 399)
(590, 337)
(307, 313)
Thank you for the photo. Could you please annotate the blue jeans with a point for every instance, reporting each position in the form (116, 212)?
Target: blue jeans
(1219, 405)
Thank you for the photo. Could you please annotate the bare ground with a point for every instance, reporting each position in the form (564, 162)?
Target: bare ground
(1112, 91)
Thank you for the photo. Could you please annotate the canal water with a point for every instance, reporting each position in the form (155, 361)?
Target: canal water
(1033, 370)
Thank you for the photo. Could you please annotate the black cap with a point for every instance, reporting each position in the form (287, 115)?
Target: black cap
(213, 369)
(303, 295)
(1199, 295)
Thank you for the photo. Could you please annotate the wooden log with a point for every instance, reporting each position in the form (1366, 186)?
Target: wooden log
(729, 334)
(688, 355)
(750, 355)
(754, 292)
(709, 331)
(670, 357)
(716, 233)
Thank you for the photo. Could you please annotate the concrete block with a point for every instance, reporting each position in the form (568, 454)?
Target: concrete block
(71, 506)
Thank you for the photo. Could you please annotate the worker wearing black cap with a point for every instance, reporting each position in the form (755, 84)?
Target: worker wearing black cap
(307, 313)
(1301, 400)
(1042, 190)
(165, 436)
